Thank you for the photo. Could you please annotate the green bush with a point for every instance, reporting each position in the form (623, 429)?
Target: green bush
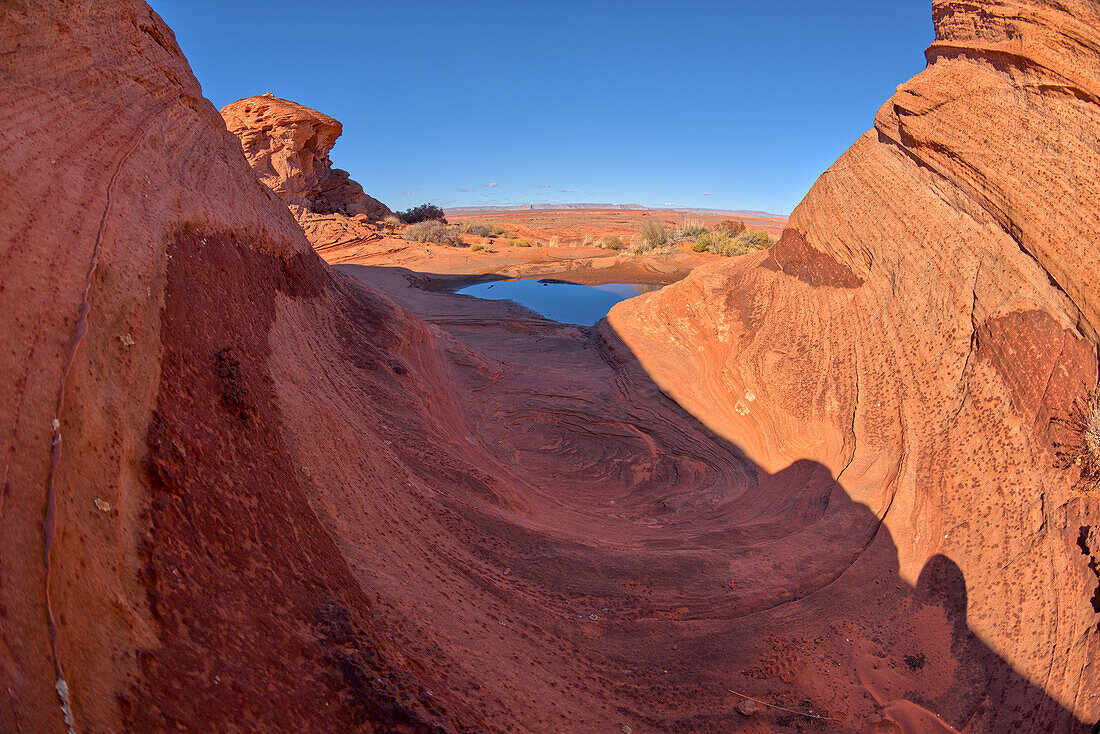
(432, 230)
(755, 239)
(610, 242)
(421, 213)
(728, 245)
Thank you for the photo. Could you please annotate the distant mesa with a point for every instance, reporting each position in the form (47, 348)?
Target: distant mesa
(287, 145)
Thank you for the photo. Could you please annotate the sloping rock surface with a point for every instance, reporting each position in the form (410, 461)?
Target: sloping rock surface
(926, 328)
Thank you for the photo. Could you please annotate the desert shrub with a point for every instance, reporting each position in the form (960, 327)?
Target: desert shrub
(422, 213)
(391, 219)
(692, 228)
(519, 243)
(497, 229)
(755, 239)
(555, 241)
(651, 236)
(731, 226)
(587, 241)
(477, 247)
(721, 242)
(432, 230)
(1081, 448)
(480, 230)
(610, 242)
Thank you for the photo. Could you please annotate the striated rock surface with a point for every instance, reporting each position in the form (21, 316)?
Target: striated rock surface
(927, 325)
(240, 490)
(287, 145)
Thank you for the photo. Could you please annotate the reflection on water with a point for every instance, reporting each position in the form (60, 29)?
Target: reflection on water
(566, 302)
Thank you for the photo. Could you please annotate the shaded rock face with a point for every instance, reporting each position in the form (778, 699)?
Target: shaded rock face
(928, 323)
(240, 490)
(287, 145)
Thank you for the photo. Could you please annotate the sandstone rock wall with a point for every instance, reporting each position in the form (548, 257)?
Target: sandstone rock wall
(928, 323)
(138, 250)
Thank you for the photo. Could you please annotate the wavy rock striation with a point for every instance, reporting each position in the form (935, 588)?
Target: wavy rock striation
(288, 145)
(927, 327)
(240, 490)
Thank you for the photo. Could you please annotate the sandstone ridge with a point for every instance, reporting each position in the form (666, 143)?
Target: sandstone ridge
(926, 328)
(288, 146)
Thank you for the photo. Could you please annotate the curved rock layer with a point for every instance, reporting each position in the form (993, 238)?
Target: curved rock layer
(288, 146)
(240, 491)
(926, 329)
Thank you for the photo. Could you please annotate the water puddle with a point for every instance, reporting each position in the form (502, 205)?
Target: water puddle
(569, 303)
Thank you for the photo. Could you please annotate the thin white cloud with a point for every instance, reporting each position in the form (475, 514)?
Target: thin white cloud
(490, 185)
(466, 191)
(708, 193)
(566, 191)
(541, 186)
(406, 192)
(670, 203)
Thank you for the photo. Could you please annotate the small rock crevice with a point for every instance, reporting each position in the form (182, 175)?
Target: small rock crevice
(1088, 540)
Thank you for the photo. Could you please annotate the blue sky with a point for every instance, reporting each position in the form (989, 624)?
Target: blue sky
(712, 103)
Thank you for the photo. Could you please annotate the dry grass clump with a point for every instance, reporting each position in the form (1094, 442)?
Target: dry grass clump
(555, 241)
(391, 219)
(476, 247)
(519, 243)
(653, 236)
(610, 242)
(480, 230)
(692, 227)
(432, 230)
(1082, 448)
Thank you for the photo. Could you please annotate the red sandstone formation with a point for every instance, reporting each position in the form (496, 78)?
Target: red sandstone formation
(287, 145)
(927, 324)
(240, 490)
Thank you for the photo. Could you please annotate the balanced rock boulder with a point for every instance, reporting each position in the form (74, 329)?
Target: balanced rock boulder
(288, 146)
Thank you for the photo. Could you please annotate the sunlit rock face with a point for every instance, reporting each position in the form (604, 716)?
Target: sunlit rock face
(926, 328)
(288, 146)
